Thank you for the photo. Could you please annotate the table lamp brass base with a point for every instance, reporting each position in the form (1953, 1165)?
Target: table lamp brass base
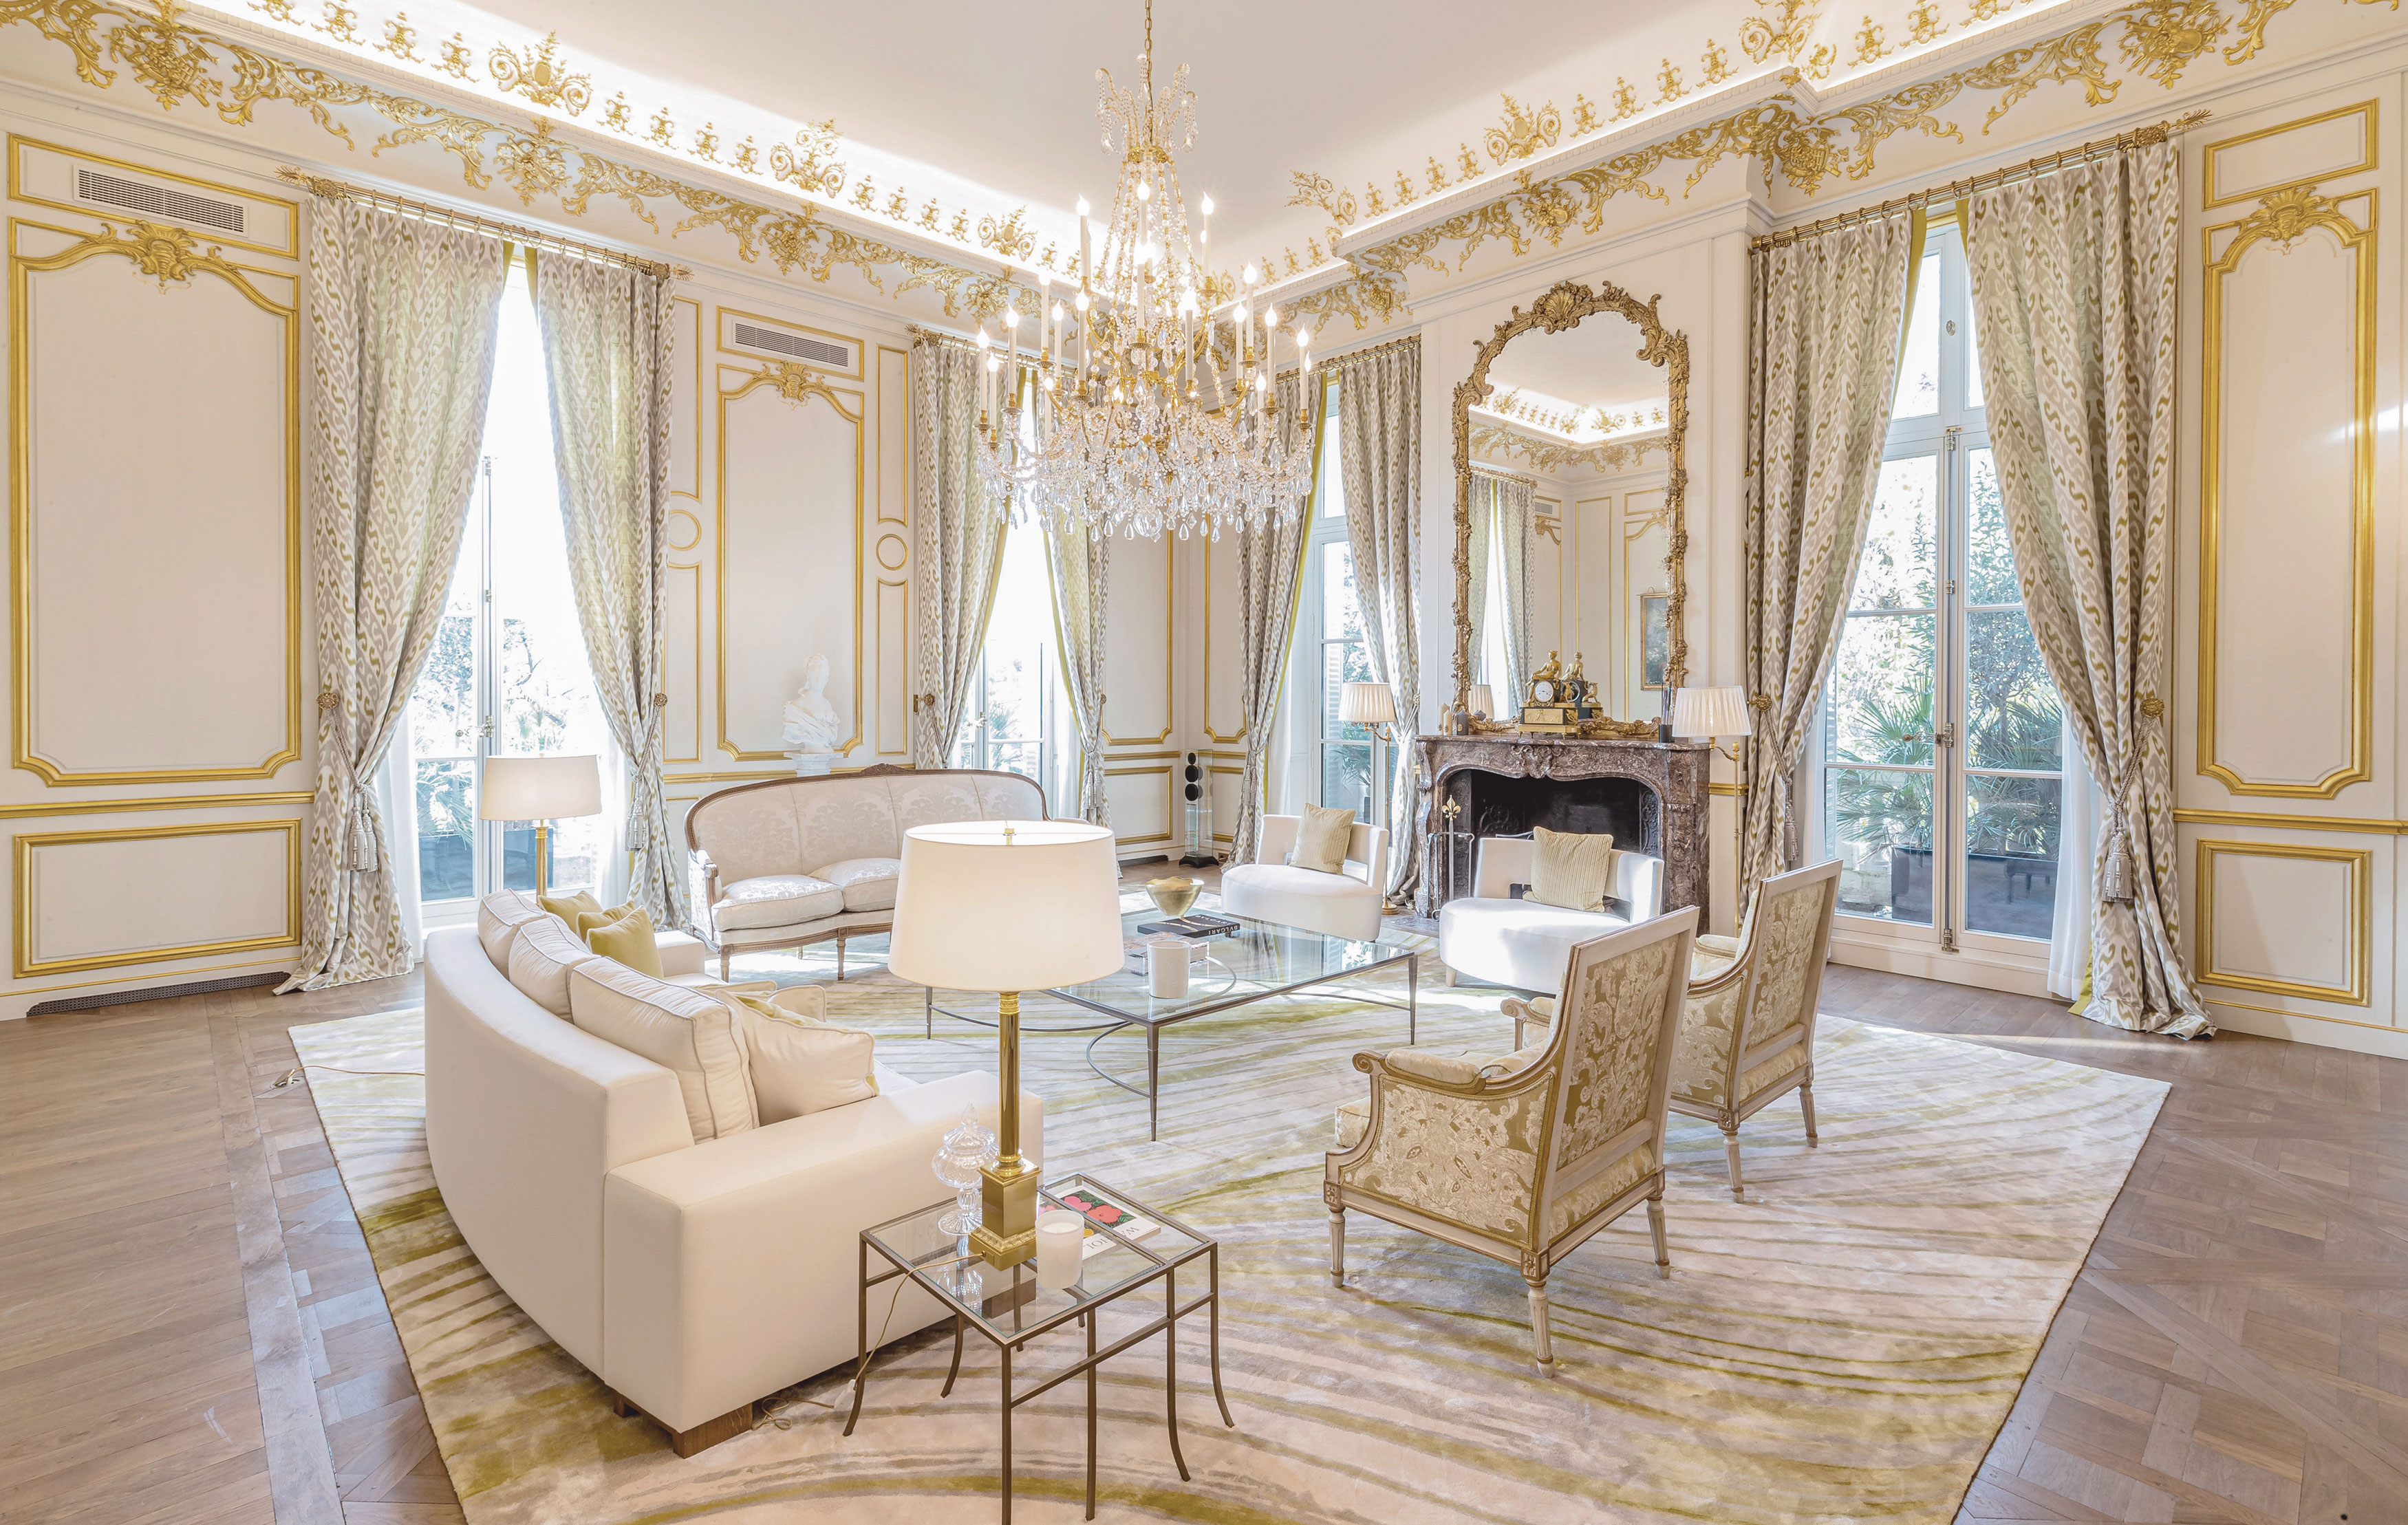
(1007, 1232)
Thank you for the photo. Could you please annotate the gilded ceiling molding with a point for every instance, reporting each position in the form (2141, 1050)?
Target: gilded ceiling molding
(1610, 455)
(179, 63)
(2155, 40)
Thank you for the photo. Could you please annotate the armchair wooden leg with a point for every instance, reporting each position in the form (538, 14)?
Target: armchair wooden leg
(1730, 1151)
(1655, 1227)
(722, 963)
(1540, 1335)
(1806, 1105)
(1338, 1246)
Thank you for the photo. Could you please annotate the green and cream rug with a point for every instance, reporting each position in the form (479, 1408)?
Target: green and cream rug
(1844, 1344)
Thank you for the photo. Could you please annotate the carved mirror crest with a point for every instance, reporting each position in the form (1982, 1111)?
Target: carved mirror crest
(1540, 418)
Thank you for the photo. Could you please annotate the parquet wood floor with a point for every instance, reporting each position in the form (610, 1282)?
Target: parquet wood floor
(180, 1268)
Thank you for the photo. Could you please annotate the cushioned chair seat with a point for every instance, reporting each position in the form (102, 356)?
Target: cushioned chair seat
(777, 899)
(868, 883)
(1516, 942)
(1338, 903)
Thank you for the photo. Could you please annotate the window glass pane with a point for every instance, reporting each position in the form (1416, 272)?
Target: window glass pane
(1333, 481)
(2010, 846)
(1918, 373)
(1878, 823)
(1900, 566)
(1972, 358)
(443, 707)
(1346, 777)
(447, 830)
(1989, 555)
(1341, 617)
(1879, 709)
(1342, 662)
(2013, 716)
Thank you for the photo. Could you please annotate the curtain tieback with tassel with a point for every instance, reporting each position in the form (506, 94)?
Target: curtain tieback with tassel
(2116, 872)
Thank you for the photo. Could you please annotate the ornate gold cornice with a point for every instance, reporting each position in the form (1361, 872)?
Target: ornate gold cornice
(182, 65)
(1550, 455)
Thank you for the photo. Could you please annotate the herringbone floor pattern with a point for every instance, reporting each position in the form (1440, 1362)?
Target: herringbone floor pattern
(2236, 1351)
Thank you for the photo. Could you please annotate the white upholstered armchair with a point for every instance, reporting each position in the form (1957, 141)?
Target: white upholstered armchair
(1344, 905)
(1523, 1157)
(1491, 936)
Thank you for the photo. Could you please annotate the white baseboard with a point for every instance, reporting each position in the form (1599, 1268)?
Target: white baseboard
(2300, 1027)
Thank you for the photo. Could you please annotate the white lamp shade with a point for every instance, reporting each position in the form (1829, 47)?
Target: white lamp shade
(1711, 712)
(1006, 905)
(1480, 699)
(1367, 703)
(539, 788)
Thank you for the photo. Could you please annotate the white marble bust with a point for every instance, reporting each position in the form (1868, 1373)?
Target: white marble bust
(811, 721)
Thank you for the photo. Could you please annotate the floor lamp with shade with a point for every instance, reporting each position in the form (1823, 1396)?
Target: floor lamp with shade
(541, 789)
(1006, 905)
(1707, 715)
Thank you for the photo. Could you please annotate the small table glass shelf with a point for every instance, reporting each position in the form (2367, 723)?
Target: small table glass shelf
(1010, 1310)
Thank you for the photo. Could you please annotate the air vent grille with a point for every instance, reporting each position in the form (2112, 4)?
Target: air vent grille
(818, 351)
(135, 195)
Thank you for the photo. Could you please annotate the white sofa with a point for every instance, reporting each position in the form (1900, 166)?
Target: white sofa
(796, 861)
(1344, 905)
(692, 1278)
(1492, 936)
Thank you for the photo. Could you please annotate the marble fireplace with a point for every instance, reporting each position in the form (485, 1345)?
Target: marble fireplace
(1650, 795)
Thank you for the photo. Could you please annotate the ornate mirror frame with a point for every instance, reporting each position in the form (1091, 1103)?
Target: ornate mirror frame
(1560, 307)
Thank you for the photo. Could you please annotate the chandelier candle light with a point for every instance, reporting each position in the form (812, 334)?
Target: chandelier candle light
(1169, 419)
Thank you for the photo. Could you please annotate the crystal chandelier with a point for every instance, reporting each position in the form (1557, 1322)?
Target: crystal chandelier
(1167, 419)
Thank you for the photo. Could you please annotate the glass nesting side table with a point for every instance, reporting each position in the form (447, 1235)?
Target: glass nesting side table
(1010, 1309)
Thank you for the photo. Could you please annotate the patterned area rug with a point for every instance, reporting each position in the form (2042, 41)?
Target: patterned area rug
(1844, 1344)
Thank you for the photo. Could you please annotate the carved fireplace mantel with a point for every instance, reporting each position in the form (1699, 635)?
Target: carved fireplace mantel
(1666, 817)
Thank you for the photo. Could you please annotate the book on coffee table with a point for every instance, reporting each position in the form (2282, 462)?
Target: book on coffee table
(1196, 924)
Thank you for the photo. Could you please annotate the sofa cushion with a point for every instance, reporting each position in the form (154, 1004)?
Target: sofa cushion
(775, 900)
(1007, 796)
(1516, 942)
(1339, 904)
(868, 883)
(801, 1064)
(837, 819)
(541, 956)
(696, 1036)
(924, 799)
(499, 916)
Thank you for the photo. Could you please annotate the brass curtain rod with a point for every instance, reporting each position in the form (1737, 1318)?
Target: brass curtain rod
(320, 185)
(1339, 362)
(2047, 163)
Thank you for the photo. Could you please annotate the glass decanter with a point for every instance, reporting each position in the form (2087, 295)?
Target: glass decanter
(960, 1155)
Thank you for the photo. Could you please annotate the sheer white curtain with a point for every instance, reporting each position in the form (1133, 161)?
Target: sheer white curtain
(2077, 840)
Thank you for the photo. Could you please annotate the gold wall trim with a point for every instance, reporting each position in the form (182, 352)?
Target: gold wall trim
(2213, 198)
(2364, 824)
(1170, 657)
(27, 968)
(1170, 802)
(2283, 216)
(291, 249)
(694, 571)
(165, 253)
(798, 385)
(2360, 862)
(163, 802)
(753, 774)
(2303, 1016)
(1240, 734)
(1565, 305)
(695, 491)
(904, 356)
(1716, 786)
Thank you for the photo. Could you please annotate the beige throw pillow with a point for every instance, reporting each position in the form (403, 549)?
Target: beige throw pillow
(1321, 838)
(802, 1064)
(1571, 869)
(694, 1035)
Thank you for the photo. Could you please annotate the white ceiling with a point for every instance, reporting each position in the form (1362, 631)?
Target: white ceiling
(1595, 364)
(1003, 96)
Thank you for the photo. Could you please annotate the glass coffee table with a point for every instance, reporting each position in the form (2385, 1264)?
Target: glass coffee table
(1012, 1310)
(1260, 960)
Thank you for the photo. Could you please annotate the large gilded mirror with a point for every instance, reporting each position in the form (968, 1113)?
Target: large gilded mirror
(1573, 422)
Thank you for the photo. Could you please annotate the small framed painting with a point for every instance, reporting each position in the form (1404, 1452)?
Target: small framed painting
(1654, 638)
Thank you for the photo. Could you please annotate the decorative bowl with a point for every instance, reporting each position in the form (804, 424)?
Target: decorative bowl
(1174, 896)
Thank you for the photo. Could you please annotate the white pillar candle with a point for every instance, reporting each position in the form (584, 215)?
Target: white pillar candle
(1060, 1250)
(1166, 969)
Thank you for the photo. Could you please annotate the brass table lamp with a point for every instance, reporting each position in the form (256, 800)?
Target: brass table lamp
(1006, 905)
(541, 789)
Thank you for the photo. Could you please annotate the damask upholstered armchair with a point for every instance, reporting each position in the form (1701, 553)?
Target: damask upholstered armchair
(1747, 1036)
(1525, 1157)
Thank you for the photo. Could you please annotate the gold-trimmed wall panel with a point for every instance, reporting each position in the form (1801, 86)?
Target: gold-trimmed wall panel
(1122, 613)
(2357, 918)
(117, 883)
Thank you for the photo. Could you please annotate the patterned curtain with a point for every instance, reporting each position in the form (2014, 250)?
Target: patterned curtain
(1380, 453)
(402, 317)
(1270, 566)
(1516, 523)
(1076, 559)
(2073, 279)
(960, 542)
(1827, 317)
(606, 345)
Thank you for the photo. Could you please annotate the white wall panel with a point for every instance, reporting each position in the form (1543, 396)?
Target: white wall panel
(113, 896)
(1224, 716)
(1137, 655)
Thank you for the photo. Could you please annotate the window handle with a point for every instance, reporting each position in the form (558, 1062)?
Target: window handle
(1945, 736)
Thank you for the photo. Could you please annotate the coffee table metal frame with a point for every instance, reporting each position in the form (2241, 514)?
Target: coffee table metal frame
(1082, 1309)
(1153, 1024)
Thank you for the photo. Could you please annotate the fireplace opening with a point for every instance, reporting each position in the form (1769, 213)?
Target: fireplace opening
(1504, 805)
